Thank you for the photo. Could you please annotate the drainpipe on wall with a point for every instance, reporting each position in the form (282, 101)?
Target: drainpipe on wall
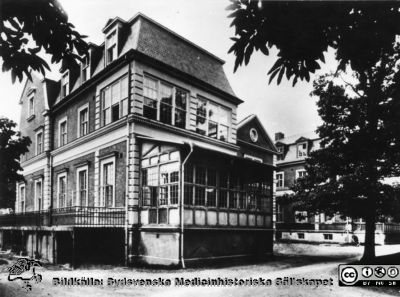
(127, 196)
(181, 259)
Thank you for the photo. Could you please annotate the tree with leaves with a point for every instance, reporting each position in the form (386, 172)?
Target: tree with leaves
(27, 27)
(12, 146)
(361, 131)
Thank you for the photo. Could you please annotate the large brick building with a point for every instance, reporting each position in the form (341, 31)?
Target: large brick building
(137, 156)
(297, 225)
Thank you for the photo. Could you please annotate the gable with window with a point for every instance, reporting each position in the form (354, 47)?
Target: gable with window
(212, 119)
(164, 102)
(280, 182)
(111, 47)
(115, 101)
(62, 132)
(65, 84)
(83, 120)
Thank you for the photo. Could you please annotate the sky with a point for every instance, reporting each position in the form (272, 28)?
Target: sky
(281, 108)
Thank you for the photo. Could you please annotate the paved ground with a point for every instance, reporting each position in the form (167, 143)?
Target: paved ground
(292, 260)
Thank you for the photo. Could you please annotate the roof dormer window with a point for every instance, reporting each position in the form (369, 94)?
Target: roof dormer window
(111, 47)
(65, 84)
(85, 68)
(302, 149)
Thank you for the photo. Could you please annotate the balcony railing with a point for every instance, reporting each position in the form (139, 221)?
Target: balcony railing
(68, 216)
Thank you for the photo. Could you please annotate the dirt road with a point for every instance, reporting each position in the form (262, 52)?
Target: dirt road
(313, 262)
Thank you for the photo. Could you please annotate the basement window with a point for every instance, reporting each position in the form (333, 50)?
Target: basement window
(328, 236)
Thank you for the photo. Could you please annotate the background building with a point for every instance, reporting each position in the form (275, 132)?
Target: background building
(137, 156)
(297, 225)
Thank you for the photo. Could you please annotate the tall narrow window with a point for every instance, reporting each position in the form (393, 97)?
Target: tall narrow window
(83, 117)
(22, 198)
(65, 84)
(111, 44)
(31, 106)
(62, 132)
(166, 104)
(279, 180)
(38, 195)
(302, 150)
(82, 187)
(201, 119)
(62, 190)
(115, 100)
(85, 68)
(107, 183)
(150, 98)
(39, 143)
(180, 108)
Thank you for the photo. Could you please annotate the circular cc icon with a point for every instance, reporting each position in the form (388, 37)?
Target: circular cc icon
(380, 271)
(349, 275)
(367, 272)
(393, 271)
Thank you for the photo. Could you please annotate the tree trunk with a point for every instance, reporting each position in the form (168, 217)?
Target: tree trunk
(369, 244)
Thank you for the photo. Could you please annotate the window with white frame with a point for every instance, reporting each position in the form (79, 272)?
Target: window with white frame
(280, 182)
(302, 149)
(85, 68)
(107, 179)
(65, 84)
(38, 195)
(280, 151)
(82, 186)
(83, 120)
(62, 190)
(164, 102)
(212, 119)
(301, 173)
(300, 216)
(22, 194)
(111, 47)
(62, 132)
(115, 100)
(31, 105)
(39, 142)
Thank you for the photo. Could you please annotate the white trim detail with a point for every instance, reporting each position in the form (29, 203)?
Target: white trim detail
(246, 156)
(298, 172)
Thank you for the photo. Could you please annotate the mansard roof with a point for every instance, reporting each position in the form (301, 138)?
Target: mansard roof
(151, 39)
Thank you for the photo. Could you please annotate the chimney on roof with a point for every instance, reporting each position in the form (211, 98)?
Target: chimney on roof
(279, 136)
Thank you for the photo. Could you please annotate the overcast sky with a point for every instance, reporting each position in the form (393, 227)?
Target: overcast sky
(281, 108)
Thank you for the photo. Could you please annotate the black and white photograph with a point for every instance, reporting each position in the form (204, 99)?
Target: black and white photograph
(199, 148)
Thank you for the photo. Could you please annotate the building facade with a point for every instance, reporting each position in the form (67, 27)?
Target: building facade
(137, 157)
(297, 225)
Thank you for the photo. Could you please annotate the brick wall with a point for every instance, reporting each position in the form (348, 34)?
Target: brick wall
(71, 112)
(71, 169)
